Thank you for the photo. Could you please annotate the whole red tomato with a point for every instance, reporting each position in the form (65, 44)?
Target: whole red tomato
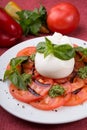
(63, 18)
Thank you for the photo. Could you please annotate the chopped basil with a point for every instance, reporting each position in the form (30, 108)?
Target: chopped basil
(82, 72)
(56, 90)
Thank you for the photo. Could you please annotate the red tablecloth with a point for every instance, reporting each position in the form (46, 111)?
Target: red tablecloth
(9, 122)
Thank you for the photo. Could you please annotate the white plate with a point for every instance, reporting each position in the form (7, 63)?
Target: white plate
(27, 112)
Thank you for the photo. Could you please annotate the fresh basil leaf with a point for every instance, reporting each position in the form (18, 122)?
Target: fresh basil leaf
(63, 52)
(14, 63)
(85, 51)
(27, 78)
(17, 61)
(18, 81)
(41, 47)
(45, 47)
(46, 53)
(7, 74)
(48, 48)
(49, 45)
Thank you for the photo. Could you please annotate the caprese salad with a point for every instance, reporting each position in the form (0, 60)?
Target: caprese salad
(49, 75)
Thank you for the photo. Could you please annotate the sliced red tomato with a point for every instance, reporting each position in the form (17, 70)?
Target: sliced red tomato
(85, 80)
(21, 95)
(44, 80)
(41, 85)
(49, 103)
(78, 83)
(62, 80)
(78, 98)
(27, 51)
(67, 86)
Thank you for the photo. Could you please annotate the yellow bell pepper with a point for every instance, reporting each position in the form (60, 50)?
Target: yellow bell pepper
(11, 8)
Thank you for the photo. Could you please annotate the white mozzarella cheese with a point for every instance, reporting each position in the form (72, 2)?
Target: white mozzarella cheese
(51, 66)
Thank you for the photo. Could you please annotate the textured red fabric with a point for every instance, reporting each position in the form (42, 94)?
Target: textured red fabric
(9, 122)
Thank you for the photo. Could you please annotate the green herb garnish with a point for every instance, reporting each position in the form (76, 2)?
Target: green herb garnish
(19, 80)
(64, 52)
(31, 21)
(45, 47)
(82, 72)
(41, 47)
(32, 57)
(81, 49)
(56, 90)
(17, 61)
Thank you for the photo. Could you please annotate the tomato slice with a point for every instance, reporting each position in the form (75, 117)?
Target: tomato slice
(67, 86)
(41, 85)
(85, 80)
(21, 95)
(78, 83)
(78, 98)
(27, 51)
(49, 103)
(61, 81)
(40, 88)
